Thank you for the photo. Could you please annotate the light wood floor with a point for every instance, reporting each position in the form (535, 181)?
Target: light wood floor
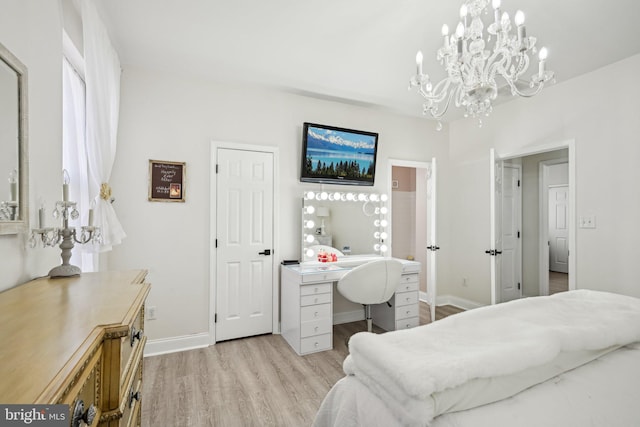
(558, 282)
(257, 381)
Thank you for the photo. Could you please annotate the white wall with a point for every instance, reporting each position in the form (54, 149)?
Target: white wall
(601, 115)
(170, 117)
(31, 30)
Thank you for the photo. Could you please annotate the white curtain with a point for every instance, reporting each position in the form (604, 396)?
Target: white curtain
(102, 78)
(74, 156)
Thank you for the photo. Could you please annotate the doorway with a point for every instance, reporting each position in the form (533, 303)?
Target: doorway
(243, 298)
(534, 230)
(413, 221)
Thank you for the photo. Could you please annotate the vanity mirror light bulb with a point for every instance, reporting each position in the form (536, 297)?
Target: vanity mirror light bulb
(350, 196)
(343, 197)
(310, 253)
(383, 198)
(310, 195)
(373, 197)
(384, 235)
(310, 210)
(376, 223)
(384, 223)
(376, 235)
(324, 195)
(310, 224)
(376, 247)
(377, 211)
(309, 238)
(384, 210)
(383, 248)
(336, 195)
(362, 197)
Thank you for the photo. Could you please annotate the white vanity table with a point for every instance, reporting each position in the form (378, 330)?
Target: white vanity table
(307, 302)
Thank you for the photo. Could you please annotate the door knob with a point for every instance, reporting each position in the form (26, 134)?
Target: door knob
(265, 252)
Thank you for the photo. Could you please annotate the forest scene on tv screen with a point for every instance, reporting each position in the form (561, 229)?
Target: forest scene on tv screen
(336, 154)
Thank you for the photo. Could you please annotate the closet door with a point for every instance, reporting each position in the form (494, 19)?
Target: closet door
(244, 261)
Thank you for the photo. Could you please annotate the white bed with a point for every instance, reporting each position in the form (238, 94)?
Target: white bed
(572, 359)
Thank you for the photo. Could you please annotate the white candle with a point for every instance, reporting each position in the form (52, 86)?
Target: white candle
(419, 63)
(65, 192)
(41, 218)
(542, 56)
(90, 217)
(14, 191)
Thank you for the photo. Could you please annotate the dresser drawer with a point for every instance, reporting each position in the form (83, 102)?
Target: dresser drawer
(129, 345)
(319, 288)
(315, 327)
(132, 401)
(317, 343)
(407, 323)
(315, 312)
(315, 299)
(406, 298)
(406, 311)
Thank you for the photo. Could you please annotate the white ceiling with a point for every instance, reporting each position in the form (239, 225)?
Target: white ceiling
(359, 51)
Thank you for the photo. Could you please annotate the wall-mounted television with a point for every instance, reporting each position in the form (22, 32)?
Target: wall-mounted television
(334, 155)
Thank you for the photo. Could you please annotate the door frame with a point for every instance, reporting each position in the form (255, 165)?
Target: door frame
(213, 205)
(570, 145)
(543, 224)
(389, 189)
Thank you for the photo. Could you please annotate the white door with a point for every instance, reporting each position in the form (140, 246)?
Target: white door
(558, 228)
(244, 223)
(510, 225)
(432, 286)
(495, 180)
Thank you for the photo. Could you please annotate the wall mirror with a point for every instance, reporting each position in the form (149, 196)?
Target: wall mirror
(352, 222)
(13, 144)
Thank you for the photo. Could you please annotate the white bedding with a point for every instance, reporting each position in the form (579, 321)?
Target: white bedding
(489, 354)
(603, 393)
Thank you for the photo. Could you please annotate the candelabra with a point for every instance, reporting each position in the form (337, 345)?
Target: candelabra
(65, 236)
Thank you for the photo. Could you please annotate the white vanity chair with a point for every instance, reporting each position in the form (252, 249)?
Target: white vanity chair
(372, 283)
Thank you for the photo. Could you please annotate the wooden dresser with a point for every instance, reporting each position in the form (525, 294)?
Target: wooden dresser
(76, 341)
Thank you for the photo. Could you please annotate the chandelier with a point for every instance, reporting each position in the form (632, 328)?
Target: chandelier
(474, 71)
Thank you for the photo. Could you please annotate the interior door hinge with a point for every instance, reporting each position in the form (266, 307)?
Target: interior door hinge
(518, 183)
(216, 168)
(216, 243)
(518, 285)
(215, 318)
(518, 234)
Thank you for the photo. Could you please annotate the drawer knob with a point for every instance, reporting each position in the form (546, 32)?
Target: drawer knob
(317, 344)
(135, 335)
(408, 311)
(315, 290)
(133, 396)
(81, 416)
(315, 314)
(316, 329)
(408, 299)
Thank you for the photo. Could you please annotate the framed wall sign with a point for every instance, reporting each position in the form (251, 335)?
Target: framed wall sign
(166, 181)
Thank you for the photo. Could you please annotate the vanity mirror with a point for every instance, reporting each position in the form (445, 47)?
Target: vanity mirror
(345, 223)
(13, 144)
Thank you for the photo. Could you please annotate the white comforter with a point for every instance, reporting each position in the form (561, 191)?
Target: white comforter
(409, 369)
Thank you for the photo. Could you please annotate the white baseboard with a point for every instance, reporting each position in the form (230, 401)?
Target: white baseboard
(457, 302)
(176, 344)
(348, 316)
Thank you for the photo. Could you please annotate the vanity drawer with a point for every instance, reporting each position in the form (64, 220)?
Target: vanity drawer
(320, 288)
(409, 278)
(407, 286)
(315, 312)
(315, 299)
(406, 311)
(317, 343)
(321, 276)
(406, 298)
(315, 327)
(407, 323)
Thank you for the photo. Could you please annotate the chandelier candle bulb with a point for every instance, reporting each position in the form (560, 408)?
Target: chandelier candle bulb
(463, 14)
(445, 34)
(519, 20)
(13, 185)
(496, 11)
(543, 57)
(460, 35)
(41, 218)
(65, 185)
(419, 63)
